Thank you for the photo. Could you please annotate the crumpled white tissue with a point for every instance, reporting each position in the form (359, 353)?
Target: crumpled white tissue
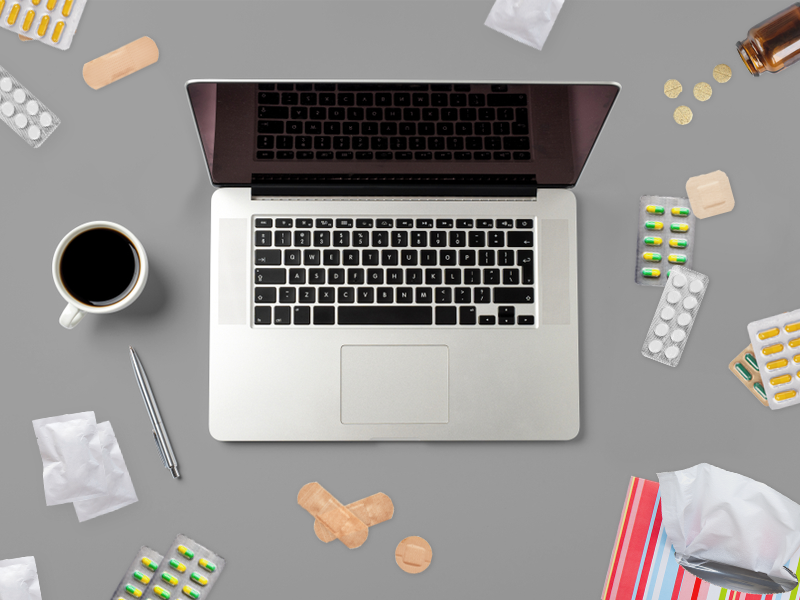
(120, 492)
(19, 579)
(713, 514)
(527, 21)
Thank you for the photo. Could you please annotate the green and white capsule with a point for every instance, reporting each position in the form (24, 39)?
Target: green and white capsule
(654, 225)
(191, 592)
(651, 273)
(207, 565)
(677, 259)
(680, 211)
(745, 374)
(751, 360)
(198, 579)
(653, 241)
(679, 227)
(678, 243)
(654, 209)
(760, 389)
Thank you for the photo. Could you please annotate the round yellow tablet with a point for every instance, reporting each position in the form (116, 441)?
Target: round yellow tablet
(673, 88)
(683, 115)
(722, 73)
(413, 554)
(702, 91)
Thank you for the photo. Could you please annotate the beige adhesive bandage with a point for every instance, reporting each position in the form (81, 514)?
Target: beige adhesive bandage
(340, 521)
(413, 554)
(120, 63)
(372, 511)
(710, 194)
(24, 38)
(745, 368)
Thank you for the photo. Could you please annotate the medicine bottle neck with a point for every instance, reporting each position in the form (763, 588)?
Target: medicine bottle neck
(751, 54)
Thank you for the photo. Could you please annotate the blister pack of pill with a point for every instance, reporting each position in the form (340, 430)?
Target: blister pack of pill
(676, 313)
(188, 569)
(776, 342)
(23, 112)
(139, 574)
(745, 369)
(665, 238)
(53, 22)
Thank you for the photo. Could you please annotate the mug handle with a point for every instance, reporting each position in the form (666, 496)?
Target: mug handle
(71, 316)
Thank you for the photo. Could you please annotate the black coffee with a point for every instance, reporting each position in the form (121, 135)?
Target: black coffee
(99, 267)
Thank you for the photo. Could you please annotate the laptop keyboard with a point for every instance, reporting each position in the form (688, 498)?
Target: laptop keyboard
(328, 271)
(384, 122)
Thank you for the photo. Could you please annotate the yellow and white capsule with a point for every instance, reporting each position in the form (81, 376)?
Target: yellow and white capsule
(43, 26)
(774, 349)
(787, 395)
(57, 31)
(26, 24)
(13, 14)
(769, 333)
(777, 364)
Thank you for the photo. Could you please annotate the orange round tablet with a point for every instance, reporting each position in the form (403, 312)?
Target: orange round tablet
(413, 554)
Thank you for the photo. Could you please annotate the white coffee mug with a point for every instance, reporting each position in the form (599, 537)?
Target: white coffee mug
(75, 309)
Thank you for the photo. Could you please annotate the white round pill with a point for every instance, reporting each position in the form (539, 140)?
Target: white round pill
(673, 297)
(45, 119)
(20, 120)
(689, 303)
(661, 329)
(678, 280)
(678, 335)
(19, 96)
(34, 132)
(671, 352)
(5, 84)
(696, 286)
(684, 319)
(32, 107)
(655, 346)
(7, 109)
(667, 313)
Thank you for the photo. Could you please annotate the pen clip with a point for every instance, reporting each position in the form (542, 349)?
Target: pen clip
(160, 451)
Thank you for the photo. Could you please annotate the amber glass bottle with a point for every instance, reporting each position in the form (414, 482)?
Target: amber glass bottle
(774, 44)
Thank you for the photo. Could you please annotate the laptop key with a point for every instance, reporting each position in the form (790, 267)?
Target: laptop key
(324, 315)
(487, 320)
(385, 295)
(266, 276)
(445, 315)
(467, 315)
(520, 239)
(263, 238)
(263, 315)
(302, 315)
(265, 295)
(385, 315)
(283, 315)
(327, 295)
(518, 295)
(287, 295)
(268, 257)
(307, 295)
(505, 315)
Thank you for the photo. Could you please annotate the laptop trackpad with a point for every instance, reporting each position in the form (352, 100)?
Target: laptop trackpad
(394, 384)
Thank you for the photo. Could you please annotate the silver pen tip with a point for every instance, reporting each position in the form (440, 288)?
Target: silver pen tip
(174, 471)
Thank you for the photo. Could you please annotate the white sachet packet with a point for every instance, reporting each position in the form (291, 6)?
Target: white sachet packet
(527, 21)
(120, 492)
(715, 515)
(19, 579)
(72, 458)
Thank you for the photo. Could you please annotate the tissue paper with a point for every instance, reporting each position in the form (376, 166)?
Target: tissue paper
(527, 21)
(19, 579)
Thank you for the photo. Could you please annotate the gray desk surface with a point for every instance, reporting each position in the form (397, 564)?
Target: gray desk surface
(504, 519)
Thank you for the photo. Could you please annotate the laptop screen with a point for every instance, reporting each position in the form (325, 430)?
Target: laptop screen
(454, 135)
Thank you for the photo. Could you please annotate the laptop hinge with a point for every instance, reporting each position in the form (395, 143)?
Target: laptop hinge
(397, 189)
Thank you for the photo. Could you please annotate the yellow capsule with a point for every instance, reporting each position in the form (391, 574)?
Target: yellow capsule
(26, 24)
(43, 26)
(794, 343)
(67, 8)
(796, 358)
(769, 333)
(792, 327)
(51, 4)
(12, 16)
(772, 349)
(36, 2)
(2, 5)
(59, 29)
(777, 364)
(780, 380)
(785, 395)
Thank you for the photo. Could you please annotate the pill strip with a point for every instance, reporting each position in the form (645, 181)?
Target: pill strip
(665, 238)
(53, 22)
(776, 342)
(189, 571)
(675, 316)
(23, 112)
(745, 369)
(139, 575)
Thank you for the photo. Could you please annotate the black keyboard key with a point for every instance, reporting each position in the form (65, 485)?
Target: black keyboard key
(328, 127)
(265, 295)
(487, 320)
(516, 143)
(287, 295)
(267, 276)
(341, 238)
(311, 257)
(384, 223)
(424, 223)
(492, 143)
(285, 87)
(458, 239)
(380, 239)
(467, 114)
(420, 99)
(336, 276)
(350, 258)
(302, 238)
(458, 99)
(308, 99)
(385, 315)
(487, 114)
(299, 112)
(444, 223)
(316, 276)
(409, 258)
(324, 155)
(307, 295)
(269, 98)
(346, 295)
(291, 257)
(330, 257)
(284, 142)
(398, 143)
(302, 315)
(499, 88)
(484, 223)
(327, 99)
(472, 276)
(519, 128)
(449, 114)
(476, 100)
(375, 276)
(336, 113)
(270, 127)
(477, 239)
(405, 295)
(427, 258)
(405, 223)
(322, 142)
(505, 315)
(519, 295)
(385, 295)
(263, 222)
(447, 258)
(383, 155)
(483, 156)
(467, 315)
(505, 114)
(327, 295)
(263, 238)
(364, 223)
(355, 114)
(356, 276)
(263, 315)
(289, 98)
(286, 154)
(443, 155)
(273, 112)
(408, 129)
(496, 239)
(324, 223)
(424, 295)
(455, 143)
(507, 100)
(346, 99)
(393, 114)
(510, 276)
(362, 155)
(322, 238)
(364, 99)
(445, 315)
(419, 238)
(522, 155)
(433, 277)
(463, 295)
(444, 295)
(342, 223)
(365, 295)
(283, 315)
(399, 239)
(466, 258)
(265, 155)
(283, 238)
(436, 143)
(268, 257)
(505, 258)
(383, 99)
(486, 258)
(525, 320)
(414, 276)
(520, 239)
(525, 260)
(445, 129)
(389, 258)
(505, 223)
(491, 276)
(324, 315)
(452, 276)
(483, 295)
(369, 257)
(344, 155)
(402, 99)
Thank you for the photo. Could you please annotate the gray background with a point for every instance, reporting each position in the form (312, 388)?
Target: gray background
(504, 519)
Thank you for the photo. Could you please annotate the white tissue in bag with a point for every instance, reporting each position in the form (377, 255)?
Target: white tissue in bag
(527, 21)
(721, 516)
(19, 579)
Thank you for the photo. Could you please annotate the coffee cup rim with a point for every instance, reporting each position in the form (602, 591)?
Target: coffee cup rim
(130, 296)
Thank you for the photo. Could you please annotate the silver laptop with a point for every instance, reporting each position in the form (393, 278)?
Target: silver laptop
(395, 260)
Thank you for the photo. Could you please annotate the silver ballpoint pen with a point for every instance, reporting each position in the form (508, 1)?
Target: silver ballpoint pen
(159, 432)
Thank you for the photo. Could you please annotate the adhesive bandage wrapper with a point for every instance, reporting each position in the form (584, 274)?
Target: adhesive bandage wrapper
(776, 345)
(19, 579)
(675, 316)
(710, 194)
(23, 112)
(665, 238)
(321, 505)
(745, 369)
(371, 511)
(120, 63)
(139, 575)
(53, 22)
